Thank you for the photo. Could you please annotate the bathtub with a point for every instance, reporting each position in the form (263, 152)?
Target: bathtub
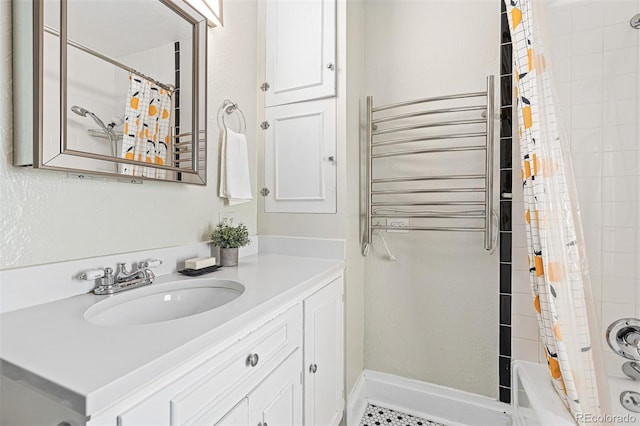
(535, 402)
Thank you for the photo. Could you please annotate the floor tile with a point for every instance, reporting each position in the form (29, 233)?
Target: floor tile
(375, 416)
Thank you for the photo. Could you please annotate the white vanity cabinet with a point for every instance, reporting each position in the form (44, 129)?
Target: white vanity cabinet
(214, 390)
(265, 377)
(246, 365)
(300, 43)
(324, 356)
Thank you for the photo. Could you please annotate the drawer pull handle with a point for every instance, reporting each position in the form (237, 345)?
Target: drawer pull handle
(252, 360)
(313, 368)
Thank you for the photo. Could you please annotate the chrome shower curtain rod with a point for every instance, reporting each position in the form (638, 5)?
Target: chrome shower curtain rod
(112, 61)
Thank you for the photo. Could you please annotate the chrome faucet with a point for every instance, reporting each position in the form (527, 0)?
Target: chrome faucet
(123, 275)
(108, 283)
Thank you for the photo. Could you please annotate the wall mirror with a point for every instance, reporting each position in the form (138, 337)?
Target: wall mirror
(111, 87)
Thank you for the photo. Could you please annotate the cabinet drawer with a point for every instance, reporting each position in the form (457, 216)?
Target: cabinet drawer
(249, 360)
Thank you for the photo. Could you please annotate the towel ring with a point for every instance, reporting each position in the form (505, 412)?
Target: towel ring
(229, 107)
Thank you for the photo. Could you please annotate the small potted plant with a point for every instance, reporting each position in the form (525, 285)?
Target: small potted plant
(229, 238)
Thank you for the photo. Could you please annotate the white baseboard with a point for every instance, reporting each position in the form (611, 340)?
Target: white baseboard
(357, 402)
(437, 403)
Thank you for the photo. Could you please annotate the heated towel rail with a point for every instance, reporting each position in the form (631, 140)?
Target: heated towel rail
(435, 134)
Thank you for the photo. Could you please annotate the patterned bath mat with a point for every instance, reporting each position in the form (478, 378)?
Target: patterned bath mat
(376, 416)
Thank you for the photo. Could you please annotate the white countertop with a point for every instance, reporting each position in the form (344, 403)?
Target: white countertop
(52, 347)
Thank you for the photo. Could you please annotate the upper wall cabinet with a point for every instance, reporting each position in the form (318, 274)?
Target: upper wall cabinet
(300, 50)
(300, 158)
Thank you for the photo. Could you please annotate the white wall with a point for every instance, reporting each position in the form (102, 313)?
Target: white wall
(433, 314)
(354, 277)
(47, 217)
(595, 57)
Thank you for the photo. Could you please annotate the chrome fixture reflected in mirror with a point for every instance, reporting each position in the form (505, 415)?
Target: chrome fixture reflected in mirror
(83, 112)
(142, 66)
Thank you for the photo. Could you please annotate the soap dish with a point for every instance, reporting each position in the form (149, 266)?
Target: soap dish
(197, 272)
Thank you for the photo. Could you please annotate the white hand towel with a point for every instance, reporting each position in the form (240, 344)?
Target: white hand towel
(235, 182)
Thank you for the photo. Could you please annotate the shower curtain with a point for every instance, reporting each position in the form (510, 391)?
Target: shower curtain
(557, 261)
(146, 134)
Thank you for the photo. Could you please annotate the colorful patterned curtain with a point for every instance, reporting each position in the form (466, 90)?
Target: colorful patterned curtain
(557, 261)
(146, 128)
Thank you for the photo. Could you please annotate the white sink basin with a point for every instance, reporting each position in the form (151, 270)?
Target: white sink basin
(163, 302)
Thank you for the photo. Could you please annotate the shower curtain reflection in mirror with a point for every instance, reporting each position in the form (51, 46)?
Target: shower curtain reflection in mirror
(147, 126)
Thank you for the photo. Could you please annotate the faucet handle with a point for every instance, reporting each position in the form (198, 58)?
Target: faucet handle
(104, 278)
(93, 274)
(150, 263)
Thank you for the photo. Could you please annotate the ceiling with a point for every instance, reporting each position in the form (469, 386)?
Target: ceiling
(119, 28)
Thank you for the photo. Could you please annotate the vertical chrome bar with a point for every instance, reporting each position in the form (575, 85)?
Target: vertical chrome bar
(63, 75)
(488, 240)
(195, 84)
(38, 93)
(368, 160)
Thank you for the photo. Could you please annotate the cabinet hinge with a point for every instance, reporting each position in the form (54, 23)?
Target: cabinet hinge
(264, 86)
(301, 377)
(265, 125)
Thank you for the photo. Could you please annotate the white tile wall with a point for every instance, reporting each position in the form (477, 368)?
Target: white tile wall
(594, 60)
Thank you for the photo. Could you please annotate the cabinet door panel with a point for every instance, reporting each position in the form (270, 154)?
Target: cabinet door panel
(238, 416)
(323, 366)
(277, 401)
(300, 50)
(300, 170)
(211, 388)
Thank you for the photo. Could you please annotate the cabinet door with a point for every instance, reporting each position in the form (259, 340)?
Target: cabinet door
(277, 401)
(324, 356)
(237, 416)
(300, 145)
(300, 50)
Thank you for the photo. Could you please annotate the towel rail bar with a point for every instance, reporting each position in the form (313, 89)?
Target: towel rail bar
(424, 126)
(425, 203)
(427, 228)
(424, 191)
(425, 100)
(429, 138)
(430, 151)
(430, 215)
(435, 111)
(426, 178)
